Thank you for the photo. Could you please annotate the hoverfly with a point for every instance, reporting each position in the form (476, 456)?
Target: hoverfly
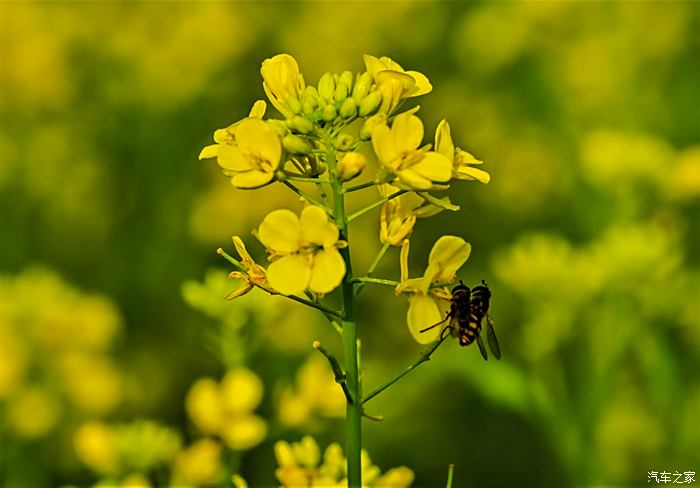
(467, 310)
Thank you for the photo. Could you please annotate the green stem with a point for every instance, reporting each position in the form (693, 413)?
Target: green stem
(379, 281)
(353, 443)
(308, 303)
(340, 376)
(423, 358)
(373, 266)
(361, 186)
(304, 195)
(305, 179)
(379, 203)
(450, 474)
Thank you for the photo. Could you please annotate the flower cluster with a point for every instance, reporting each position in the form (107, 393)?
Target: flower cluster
(316, 150)
(302, 465)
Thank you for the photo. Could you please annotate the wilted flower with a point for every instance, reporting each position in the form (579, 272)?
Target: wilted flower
(398, 215)
(398, 151)
(254, 274)
(304, 251)
(462, 162)
(428, 297)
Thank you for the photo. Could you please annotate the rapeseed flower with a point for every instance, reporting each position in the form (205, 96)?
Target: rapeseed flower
(301, 465)
(227, 135)
(462, 162)
(398, 215)
(398, 151)
(225, 408)
(304, 251)
(394, 83)
(428, 296)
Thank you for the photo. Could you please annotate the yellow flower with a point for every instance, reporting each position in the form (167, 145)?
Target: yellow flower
(398, 151)
(304, 251)
(198, 464)
(301, 465)
(398, 215)
(428, 296)
(254, 158)
(462, 162)
(225, 409)
(227, 136)
(395, 83)
(94, 445)
(316, 392)
(255, 275)
(283, 83)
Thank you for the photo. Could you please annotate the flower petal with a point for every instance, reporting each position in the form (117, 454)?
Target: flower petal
(414, 180)
(448, 254)
(327, 271)
(290, 274)
(383, 144)
(256, 137)
(423, 85)
(316, 228)
(407, 131)
(245, 432)
(279, 231)
(471, 173)
(258, 110)
(443, 140)
(434, 166)
(232, 159)
(251, 179)
(241, 391)
(423, 312)
(209, 152)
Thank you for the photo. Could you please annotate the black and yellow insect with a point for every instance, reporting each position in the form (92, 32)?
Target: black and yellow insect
(467, 310)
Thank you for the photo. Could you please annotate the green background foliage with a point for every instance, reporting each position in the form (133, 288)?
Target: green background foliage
(587, 116)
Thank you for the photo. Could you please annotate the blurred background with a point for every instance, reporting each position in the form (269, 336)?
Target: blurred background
(115, 339)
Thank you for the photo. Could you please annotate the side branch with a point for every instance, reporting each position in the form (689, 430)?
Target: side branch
(423, 358)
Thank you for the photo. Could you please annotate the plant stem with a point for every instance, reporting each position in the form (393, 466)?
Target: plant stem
(450, 474)
(423, 358)
(373, 266)
(379, 281)
(361, 186)
(363, 211)
(304, 195)
(306, 179)
(353, 417)
(308, 303)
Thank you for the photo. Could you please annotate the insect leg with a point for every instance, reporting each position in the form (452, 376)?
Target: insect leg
(439, 323)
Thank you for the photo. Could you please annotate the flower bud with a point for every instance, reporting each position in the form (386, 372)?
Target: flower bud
(370, 124)
(329, 113)
(301, 124)
(326, 86)
(370, 103)
(349, 108)
(346, 79)
(351, 165)
(362, 86)
(296, 145)
(294, 104)
(341, 92)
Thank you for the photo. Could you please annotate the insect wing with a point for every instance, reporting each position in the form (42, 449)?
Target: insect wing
(482, 348)
(491, 336)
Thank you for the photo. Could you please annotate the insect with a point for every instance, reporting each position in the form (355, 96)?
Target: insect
(467, 311)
